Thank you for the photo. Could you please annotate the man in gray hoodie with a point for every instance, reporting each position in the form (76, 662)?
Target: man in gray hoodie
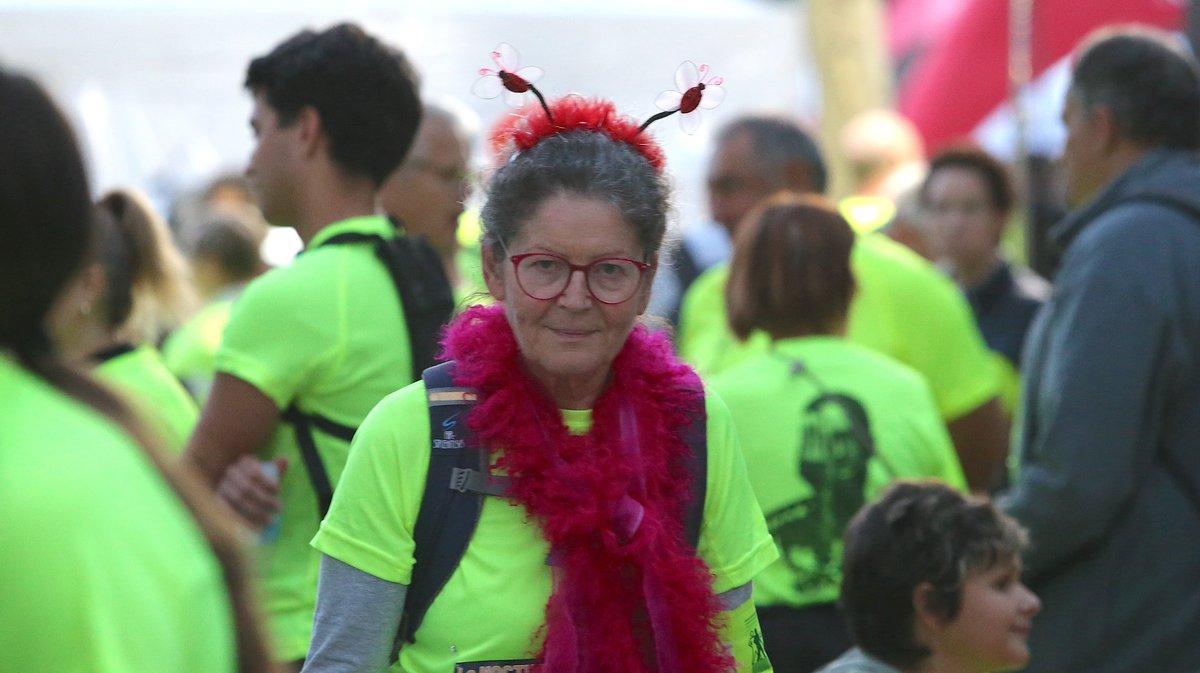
(1109, 486)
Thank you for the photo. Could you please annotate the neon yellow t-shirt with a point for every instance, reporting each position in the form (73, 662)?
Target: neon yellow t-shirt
(156, 396)
(494, 603)
(325, 333)
(190, 352)
(104, 571)
(904, 308)
(471, 289)
(810, 472)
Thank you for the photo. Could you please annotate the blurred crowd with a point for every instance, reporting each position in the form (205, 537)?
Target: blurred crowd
(854, 435)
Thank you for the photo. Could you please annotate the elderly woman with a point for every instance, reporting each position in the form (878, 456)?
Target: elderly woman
(114, 560)
(582, 564)
(825, 424)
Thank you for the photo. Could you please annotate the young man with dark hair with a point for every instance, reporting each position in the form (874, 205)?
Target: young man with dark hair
(1110, 473)
(931, 582)
(311, 347)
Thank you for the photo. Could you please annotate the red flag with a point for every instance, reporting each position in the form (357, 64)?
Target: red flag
(960, 76)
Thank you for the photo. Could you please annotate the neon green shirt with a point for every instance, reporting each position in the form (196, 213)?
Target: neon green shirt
(326, 334)
(470, 289)
(190, 352)
(903, 308)
(809, 470)
(494, 603)
(103, 569)
(157, 397)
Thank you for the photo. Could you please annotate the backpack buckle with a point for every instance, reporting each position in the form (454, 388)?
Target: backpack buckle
(460, 479)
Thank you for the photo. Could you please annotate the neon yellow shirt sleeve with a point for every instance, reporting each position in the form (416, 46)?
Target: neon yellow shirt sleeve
(734, 540)
(741, 629)
(374, 511)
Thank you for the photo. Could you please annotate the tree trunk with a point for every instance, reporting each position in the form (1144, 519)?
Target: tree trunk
(849, 46)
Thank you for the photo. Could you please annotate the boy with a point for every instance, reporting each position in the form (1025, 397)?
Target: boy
(931, 582)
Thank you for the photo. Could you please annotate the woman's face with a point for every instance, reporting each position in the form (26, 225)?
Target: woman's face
(962, 218)
(570, 340)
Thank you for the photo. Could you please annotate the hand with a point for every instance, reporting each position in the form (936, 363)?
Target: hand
(251, 491)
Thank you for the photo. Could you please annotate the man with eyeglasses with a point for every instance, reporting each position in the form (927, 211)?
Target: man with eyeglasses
(425, 196)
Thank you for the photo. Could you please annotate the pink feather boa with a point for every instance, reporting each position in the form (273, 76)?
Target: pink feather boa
(629, 593)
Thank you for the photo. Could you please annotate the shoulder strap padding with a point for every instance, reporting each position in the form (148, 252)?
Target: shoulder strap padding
(695, 435)
(448, 516)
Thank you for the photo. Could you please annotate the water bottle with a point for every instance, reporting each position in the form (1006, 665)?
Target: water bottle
(271, 531)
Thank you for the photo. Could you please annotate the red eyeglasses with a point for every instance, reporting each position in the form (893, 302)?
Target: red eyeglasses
(612, 280)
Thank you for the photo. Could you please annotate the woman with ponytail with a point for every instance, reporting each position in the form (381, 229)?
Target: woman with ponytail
(111, 558)
(119, 305)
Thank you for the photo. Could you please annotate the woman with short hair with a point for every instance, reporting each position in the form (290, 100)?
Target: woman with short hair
(825, 424)
(579, 561)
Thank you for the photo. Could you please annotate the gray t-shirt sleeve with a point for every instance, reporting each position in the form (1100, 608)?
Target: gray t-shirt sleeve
(356, 620)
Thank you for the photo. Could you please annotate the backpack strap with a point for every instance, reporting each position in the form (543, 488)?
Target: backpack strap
(695, 435)
(318, 476)
(452, 502)
(427, 302)
(425, 291)
(421, 282)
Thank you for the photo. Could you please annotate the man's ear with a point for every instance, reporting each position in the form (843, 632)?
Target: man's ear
(492, 276)
(1104, 123)
(311, 132)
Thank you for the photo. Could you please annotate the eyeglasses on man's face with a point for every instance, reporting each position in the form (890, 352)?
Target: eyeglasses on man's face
(544, 276)
(452, 175)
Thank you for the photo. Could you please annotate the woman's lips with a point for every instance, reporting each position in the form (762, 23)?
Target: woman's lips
(572, 334)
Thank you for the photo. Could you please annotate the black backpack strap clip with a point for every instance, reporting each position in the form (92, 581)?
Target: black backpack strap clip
(464, 479)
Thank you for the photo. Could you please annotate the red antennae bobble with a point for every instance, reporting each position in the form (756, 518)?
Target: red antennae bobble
(572, 113)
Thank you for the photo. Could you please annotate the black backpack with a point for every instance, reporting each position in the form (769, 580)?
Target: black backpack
(428, 302)
(458, 481)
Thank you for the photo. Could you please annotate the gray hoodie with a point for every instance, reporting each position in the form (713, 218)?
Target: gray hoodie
(1110, 436)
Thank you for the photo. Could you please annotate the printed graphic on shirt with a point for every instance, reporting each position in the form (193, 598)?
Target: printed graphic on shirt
(499, 666)
(835, 446)
(758, 651)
